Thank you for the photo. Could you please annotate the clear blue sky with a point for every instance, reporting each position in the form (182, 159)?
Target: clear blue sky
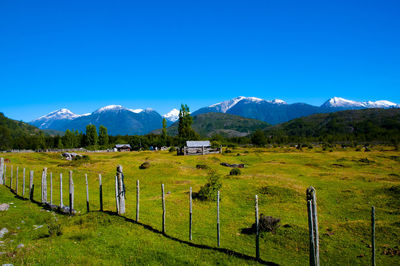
(160, 54)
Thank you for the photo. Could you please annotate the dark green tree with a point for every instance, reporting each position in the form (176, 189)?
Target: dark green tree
(103, 136)
(185, 131)
(91, 136)
(258, 138)
(69, 139)
(164, 136)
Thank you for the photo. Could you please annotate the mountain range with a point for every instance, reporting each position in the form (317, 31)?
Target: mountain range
(121, 120)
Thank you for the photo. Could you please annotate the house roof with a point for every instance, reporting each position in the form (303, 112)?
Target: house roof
(194, 144)
(122, 146)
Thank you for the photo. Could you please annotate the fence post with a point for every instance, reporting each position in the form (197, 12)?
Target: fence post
(116, 193)
(11, 177)
(163, 206)
(44, 185)
(121, 190)
(190, 213)
(16, 181)
(71, 193)
(51, 188)
(23, 183)
(218, 225)
(101, 193)
(31, 186)
(137, 200)
(87, 193)
(5, 175)
(373, 235)
(311, 232)
(257, 230)
(61, 192)
(1, 170)
(311, 196)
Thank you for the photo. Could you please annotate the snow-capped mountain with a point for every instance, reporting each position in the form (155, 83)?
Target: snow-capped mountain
(172, 116)
(117, 119)
(337, 102)
(278, 111)
(54, 119)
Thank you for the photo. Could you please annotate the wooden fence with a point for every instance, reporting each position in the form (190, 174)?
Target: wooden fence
(311, 203)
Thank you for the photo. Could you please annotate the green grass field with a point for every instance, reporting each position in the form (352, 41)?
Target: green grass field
(347, 182)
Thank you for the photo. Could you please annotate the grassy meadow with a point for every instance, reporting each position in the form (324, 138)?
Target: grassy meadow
(347, 182)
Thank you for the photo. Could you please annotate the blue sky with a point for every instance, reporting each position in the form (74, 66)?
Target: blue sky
(160, 54)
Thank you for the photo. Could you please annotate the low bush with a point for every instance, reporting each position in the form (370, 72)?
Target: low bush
(235, 171)
(209, 190)
(144, 165)
(267, 224)
(201, 166)
(54, 226)
(172, 149)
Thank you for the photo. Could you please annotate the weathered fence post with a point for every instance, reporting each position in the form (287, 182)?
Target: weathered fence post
(23, 183)
(11, 177)
(190, 213)
(51, 188)
(116, 194)
(16, 181)
(311, 196)
(1, 170)
(373, 235)
(311, 232)
(31, 185)
(61, 194)
(87, 193)
(121, 190)
(257, 230)
(137, 200)
(218, 225)
(5, 175)
(44, 185)
(101, 193)
(71, 193)
(163, 206)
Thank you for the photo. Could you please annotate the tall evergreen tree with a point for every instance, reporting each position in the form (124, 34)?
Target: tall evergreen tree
(91, 135)
(185, 131)
(164, 132)
(103, 136)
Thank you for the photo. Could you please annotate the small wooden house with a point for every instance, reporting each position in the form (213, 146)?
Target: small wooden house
(199, 148)
(123, 147)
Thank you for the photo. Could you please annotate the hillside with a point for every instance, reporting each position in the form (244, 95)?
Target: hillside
(12, 130)
(362, 125)
(348, 182)
(227, 125)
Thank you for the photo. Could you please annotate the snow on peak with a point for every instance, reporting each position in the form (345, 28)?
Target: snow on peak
(62, 113)
(380, 104)
(278, 101)
(110, 108)
(172, 115)
(136, 110)
(341, 102)
(226, 105)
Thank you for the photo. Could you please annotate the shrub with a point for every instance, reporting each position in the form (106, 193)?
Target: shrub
(54, 226)
(235, 171)
(201, 166)
(209, 190)
(267, 224)
(172, 149)
(144, 165)
(227, 151)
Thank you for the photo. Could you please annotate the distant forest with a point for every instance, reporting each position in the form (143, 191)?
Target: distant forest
(350, 127)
